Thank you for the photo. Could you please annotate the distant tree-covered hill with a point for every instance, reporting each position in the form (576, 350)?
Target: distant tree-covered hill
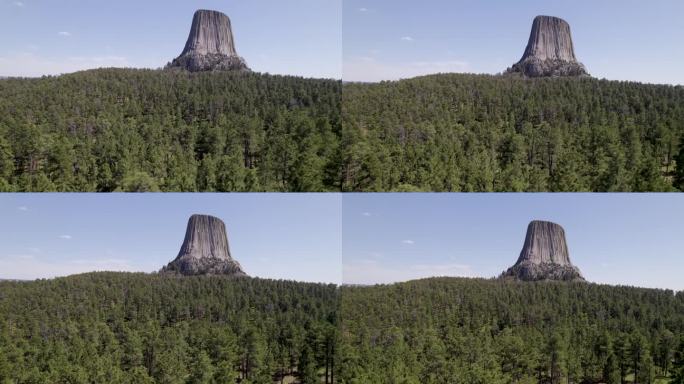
(138, 328)
(147, 130)
(150, 328)
(455, 132)
(451, 330)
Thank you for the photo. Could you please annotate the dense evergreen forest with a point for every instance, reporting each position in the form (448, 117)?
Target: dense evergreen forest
(453, 330)
(457, 132)
(148, 130)
(138, 328)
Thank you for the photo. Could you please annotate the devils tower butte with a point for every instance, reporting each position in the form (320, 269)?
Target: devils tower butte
(205, 250)
(550, 51)
(210, 45)
(544, 255)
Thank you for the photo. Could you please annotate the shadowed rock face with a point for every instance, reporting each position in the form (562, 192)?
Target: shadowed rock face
(549, 52)
(210, 45)
(205, 250)
(544, 255)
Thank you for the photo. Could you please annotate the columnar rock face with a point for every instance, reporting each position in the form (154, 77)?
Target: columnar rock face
(205, 250)
(549, 52)
(210, 45)
(544, 255)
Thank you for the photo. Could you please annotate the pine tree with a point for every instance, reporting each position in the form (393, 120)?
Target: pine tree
(307, 366)
(621, 347)
(5, 368)
(611, 371)
(679, 170)
(138, 375)
(132, 346)
(646, 371)
(225, 373)
(201, 369)
(557, 357)
(637, 350)
(514, 361)
(665, 350)
(678, 364)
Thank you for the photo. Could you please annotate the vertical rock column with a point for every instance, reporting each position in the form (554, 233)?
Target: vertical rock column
(210, 45)
(544, 255)
(550, 51)
(205, 249)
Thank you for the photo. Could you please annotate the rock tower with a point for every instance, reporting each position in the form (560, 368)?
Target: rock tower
(544, 255)
(549, 52)
(205, 250)
(210, 45)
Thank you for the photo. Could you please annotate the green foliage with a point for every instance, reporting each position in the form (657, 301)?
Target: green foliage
(149, 328)
(457, 132)
(201, 369)
(678, 364)
(492, 331)
(143, 130)
(139, 182)
(137, 328)
(679, 174)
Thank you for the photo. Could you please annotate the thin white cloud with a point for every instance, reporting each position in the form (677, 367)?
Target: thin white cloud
(409, 242)
(111, 261)
(370, 271)
(97, 59)
(64, 33)
(18, 4)
(363, 9)
(21, 256)
(65, 237)
(29, 267)
(305, 266)
(23, 208)
(29, 64)
(371, 69)
(408, 38)
(367, 214)
(375, 255)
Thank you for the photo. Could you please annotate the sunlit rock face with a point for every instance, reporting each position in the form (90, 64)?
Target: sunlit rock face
(544, 255)
(550, 51)
(205, 250)
(210, 45)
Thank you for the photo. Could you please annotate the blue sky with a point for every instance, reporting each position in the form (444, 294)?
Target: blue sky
(296, 37)
(360, 40)
(630, 239)
(289, 236)
(616, 39)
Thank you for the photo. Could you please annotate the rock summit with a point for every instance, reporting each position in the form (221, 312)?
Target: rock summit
(205, 250)
(549, 52)
(544, 255)
(210, 45)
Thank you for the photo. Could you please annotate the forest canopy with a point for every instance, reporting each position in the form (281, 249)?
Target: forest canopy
(458, 132)
(454, 330)
(158, 328)
(145, 130)
(149, 130)
(140, 328)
